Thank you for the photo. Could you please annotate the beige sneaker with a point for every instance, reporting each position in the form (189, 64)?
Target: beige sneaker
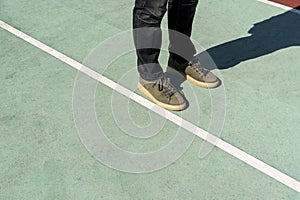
(163, 93)
(197, 75)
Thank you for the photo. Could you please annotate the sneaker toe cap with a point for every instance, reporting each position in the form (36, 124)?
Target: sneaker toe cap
(210, 78)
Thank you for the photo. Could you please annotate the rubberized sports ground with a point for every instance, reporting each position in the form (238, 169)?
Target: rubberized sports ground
(254, 44)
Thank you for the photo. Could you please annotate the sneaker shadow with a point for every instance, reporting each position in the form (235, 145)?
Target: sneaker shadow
(278, 32)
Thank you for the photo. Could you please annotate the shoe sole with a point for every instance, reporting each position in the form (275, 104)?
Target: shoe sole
(192, 80)
(161, 104)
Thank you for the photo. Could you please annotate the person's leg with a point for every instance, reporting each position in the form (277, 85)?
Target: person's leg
(147, 17)
(180, 19)
(148, 13)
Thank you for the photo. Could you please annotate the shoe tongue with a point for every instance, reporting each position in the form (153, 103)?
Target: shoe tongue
(195, 61)
(160, 83)
(164, 83)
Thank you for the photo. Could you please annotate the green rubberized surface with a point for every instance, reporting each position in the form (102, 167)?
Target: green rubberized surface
(42, 156)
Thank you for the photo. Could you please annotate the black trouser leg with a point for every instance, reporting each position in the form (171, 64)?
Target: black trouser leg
(180, 19)
(148, 13)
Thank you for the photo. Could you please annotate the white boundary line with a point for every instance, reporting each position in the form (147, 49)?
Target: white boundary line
(280, 6)
(230, 149)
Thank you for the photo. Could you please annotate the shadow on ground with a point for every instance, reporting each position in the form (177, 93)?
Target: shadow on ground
(278, 32)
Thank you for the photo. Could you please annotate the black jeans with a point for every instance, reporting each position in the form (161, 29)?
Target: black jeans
(147, 17)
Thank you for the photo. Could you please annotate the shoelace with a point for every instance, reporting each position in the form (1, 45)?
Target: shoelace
(164, 85)
(195, 64)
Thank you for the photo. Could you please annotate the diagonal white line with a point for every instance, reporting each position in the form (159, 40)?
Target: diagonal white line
(280, 6)
(230, 149)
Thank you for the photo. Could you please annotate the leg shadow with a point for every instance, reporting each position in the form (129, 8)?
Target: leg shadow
(278, 32)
